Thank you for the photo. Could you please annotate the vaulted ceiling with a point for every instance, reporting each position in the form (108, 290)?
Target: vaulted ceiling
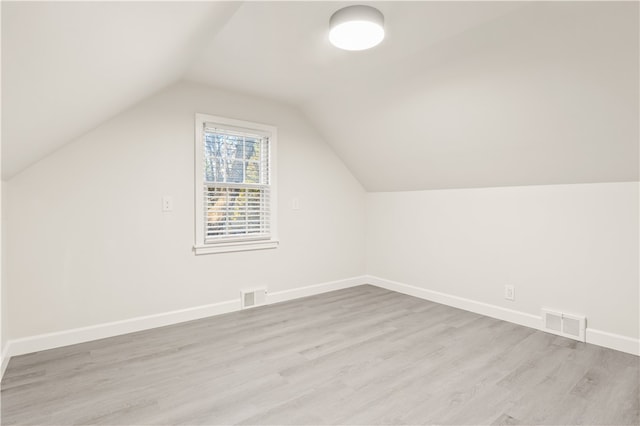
(459, 94)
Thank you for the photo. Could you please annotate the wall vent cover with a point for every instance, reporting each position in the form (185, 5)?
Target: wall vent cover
(253, 297)
(563, 324)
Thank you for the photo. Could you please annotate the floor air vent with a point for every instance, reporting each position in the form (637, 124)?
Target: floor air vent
(253, 297)
(563, 324)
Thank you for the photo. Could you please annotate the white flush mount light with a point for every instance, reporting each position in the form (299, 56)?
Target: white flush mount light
(356, 28)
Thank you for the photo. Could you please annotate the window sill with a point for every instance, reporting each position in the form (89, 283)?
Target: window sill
(235, 246)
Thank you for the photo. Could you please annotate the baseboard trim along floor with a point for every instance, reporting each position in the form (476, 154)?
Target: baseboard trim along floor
(100, 331)
(4, 362)
(359, 355)
(46, 341)
(597, 337)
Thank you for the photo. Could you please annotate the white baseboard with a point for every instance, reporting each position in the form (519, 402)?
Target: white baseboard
(5, 359)
(100, 331)
(613, 341)
(296, 293)
(596, 337)
(486, 309)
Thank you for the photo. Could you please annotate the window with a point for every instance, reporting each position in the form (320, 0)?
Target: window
(235, 189)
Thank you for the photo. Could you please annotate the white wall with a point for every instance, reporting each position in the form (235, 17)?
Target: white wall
(88, 243)
(3, 272)
(3, 281)
(3, 311)
(568, 247)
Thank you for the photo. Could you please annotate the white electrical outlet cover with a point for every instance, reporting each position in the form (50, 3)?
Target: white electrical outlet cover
(509, 292)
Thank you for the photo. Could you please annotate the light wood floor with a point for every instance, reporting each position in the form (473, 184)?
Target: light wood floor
(358, 356)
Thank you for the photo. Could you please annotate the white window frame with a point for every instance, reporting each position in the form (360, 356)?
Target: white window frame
(202, 247)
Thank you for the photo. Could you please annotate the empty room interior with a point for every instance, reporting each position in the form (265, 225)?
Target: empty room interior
(320, 213)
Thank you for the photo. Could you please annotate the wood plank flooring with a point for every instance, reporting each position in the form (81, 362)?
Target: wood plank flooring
(363, 355)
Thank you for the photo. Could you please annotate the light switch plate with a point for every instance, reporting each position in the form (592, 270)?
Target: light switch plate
(167, 203)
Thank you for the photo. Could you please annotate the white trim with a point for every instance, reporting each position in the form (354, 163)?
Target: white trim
(100, 331)
(310, 290)
(235, 246)
(43, 342)
(601, 338)
(200, 247)
(85, 334)
(486, 309)
(613, 341)
(5, 359)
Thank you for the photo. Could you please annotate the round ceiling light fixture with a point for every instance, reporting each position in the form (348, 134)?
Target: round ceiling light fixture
(356, 28)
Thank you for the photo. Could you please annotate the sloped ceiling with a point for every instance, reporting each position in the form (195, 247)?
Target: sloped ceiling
(69, 66)
(459, 94)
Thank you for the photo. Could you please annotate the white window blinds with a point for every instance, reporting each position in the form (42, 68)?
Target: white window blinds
(236, 184)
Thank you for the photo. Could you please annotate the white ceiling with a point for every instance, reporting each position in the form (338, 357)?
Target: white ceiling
(459, 94)
(68, 66)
